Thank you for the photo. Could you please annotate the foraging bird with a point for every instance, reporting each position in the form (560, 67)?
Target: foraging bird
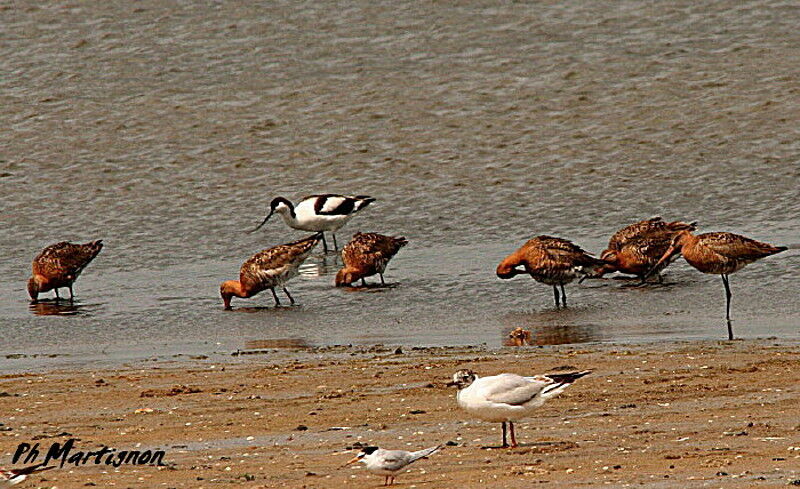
(636, 248)
(268, 269)
(59, 265)
(11, 477)
(506, 398)
(519, 337)
(389, 462)
(718, 253)
(367, 254)
(319, 213)
(552, 261)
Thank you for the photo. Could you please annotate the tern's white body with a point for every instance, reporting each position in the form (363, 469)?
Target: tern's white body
(389, 463)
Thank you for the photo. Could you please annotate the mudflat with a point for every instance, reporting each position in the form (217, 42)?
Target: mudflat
(679, 414)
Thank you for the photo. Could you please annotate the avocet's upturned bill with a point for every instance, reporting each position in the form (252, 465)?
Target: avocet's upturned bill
(389, 462)
(59, 265)
(318, 213)
(506, 398)
(268, 269)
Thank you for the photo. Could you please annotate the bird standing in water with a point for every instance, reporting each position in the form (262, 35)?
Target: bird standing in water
(635, 249)
(268, 269)
(59, 265)
(506, 398)
(318, 213)
(720, 254)
(552, 261)
(389, 462)
(367, 254)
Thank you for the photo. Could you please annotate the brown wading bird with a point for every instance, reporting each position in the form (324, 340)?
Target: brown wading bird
(635, 249)
(268, 269)
(59, 265)
(718, 253)
(367, 254)
(552, 261)
(519, 337)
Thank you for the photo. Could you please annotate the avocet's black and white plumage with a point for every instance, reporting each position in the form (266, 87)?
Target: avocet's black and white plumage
(389, 462)
(506, 398)
(318, 213)
(11, 477)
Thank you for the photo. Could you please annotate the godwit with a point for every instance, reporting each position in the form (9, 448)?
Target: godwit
(268, 269)
(367, 254)
(506, 398)
(59, 265)
(552, 261)
(11, 477)
(635, 249)
(318, 213)
(718, 253)
(389, 462)
(519, 337)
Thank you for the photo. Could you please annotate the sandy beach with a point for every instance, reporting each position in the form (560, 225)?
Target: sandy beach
(682, 414)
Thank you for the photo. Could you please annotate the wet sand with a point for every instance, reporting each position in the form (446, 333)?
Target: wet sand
(681, 414)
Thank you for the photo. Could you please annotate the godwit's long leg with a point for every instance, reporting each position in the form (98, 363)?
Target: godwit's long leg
(363, 282)
(57, 296)
(71, 295)
(286, 291)
(277, 301)
(335, 245)
(382, 282)
(728, 305)
(513, 435)
(563, 296)
(555, 294)
(505, 443)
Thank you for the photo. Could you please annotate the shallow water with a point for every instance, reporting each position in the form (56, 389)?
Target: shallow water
(165, 131)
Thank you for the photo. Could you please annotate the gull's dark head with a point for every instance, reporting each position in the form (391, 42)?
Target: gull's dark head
(463, 378)
(360, 456)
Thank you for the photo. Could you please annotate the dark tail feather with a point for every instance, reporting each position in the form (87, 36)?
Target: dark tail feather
(95, 247)
(569, 377)
(31, 469)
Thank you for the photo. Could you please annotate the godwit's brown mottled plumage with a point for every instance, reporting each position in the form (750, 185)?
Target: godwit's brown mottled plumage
(367, 254)
(519, 337)
(718, 253)
(552, 261)
(59, 265)
(635, 249)
(268, 269)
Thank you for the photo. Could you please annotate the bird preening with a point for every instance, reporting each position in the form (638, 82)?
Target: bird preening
(318, 213)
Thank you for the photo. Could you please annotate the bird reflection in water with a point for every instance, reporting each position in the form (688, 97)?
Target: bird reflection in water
(55, 307)
(550, 334)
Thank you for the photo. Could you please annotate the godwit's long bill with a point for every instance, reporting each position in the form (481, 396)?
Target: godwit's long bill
(367, 254)
(719, 253)
(318, 213)
(268, 269)
(551, 261)
(506, 398)
(59, 265)
(635, 249)
(389, 462)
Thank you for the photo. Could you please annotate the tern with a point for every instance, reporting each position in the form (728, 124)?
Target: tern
(506, 398)
(318, 213)
(389, 462)
(10, 477)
